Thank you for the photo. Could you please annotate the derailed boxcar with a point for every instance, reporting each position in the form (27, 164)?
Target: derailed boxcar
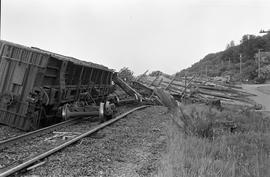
(34, 84)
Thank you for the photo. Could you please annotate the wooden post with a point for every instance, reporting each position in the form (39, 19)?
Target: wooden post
(185, 80)
(160, 82)
(259, 62)
(206, 71)
(138, 79)
(170, 83)
(185, 86)
(153, 81)
(240, 66)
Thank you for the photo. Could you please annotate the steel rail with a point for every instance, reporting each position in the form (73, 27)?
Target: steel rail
(48, 153)
(36, 133)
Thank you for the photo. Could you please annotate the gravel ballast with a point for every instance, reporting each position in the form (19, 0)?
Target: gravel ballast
(133, 146)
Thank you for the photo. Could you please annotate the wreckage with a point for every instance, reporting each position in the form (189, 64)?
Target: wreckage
(175, 93)
(195, 89)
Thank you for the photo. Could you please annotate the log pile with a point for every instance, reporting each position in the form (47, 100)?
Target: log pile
(196, 89)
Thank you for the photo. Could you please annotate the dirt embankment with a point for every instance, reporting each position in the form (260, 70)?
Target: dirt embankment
(133, 146)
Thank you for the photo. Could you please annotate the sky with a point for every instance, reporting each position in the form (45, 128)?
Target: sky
(165, 35)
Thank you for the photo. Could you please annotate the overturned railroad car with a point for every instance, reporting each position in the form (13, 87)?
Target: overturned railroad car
(35, 85)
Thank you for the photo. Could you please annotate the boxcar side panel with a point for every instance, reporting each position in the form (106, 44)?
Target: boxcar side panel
(19, 68)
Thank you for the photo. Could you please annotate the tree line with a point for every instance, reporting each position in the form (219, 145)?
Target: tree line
(227, 62)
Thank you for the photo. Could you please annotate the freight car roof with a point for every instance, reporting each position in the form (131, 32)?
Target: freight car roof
(61, 57)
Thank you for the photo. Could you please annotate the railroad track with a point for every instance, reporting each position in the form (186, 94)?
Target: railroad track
(36, 133)
(9, 170)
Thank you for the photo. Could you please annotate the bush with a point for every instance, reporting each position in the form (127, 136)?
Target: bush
(242, 153)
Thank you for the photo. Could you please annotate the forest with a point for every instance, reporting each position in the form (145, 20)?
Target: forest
(227, 62)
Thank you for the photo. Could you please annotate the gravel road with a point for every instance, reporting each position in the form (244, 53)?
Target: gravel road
(263, 94)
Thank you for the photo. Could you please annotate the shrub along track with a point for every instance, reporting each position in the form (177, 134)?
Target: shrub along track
(44, 148)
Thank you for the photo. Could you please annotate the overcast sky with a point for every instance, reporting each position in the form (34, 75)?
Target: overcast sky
(166, 35)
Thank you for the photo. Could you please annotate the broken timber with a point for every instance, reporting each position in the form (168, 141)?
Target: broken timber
(196, 89)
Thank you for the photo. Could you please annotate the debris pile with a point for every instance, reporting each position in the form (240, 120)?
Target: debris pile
(196, 89)
(175, 93)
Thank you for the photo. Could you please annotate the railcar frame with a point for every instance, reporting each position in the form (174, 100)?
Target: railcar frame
(35, 83)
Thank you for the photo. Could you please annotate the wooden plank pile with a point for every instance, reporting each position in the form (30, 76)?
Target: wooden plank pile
(198, 89)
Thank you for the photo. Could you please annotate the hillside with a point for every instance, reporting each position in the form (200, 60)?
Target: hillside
(227, 62)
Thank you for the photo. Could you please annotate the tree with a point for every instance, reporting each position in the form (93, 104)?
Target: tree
(126, 74)
(249, 46)
(265, 72)
(228, 60)
(231, 44)
(231, 54)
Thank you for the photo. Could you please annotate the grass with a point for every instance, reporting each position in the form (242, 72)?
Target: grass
(243, 152)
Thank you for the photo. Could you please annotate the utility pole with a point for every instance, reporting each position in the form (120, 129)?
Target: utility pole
(241, 67)
(259, 62)
(206, 70)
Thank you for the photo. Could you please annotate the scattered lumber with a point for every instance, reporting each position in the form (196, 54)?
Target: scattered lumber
(36, 165)
(195, 88)
(170, 92)
(141, 76)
